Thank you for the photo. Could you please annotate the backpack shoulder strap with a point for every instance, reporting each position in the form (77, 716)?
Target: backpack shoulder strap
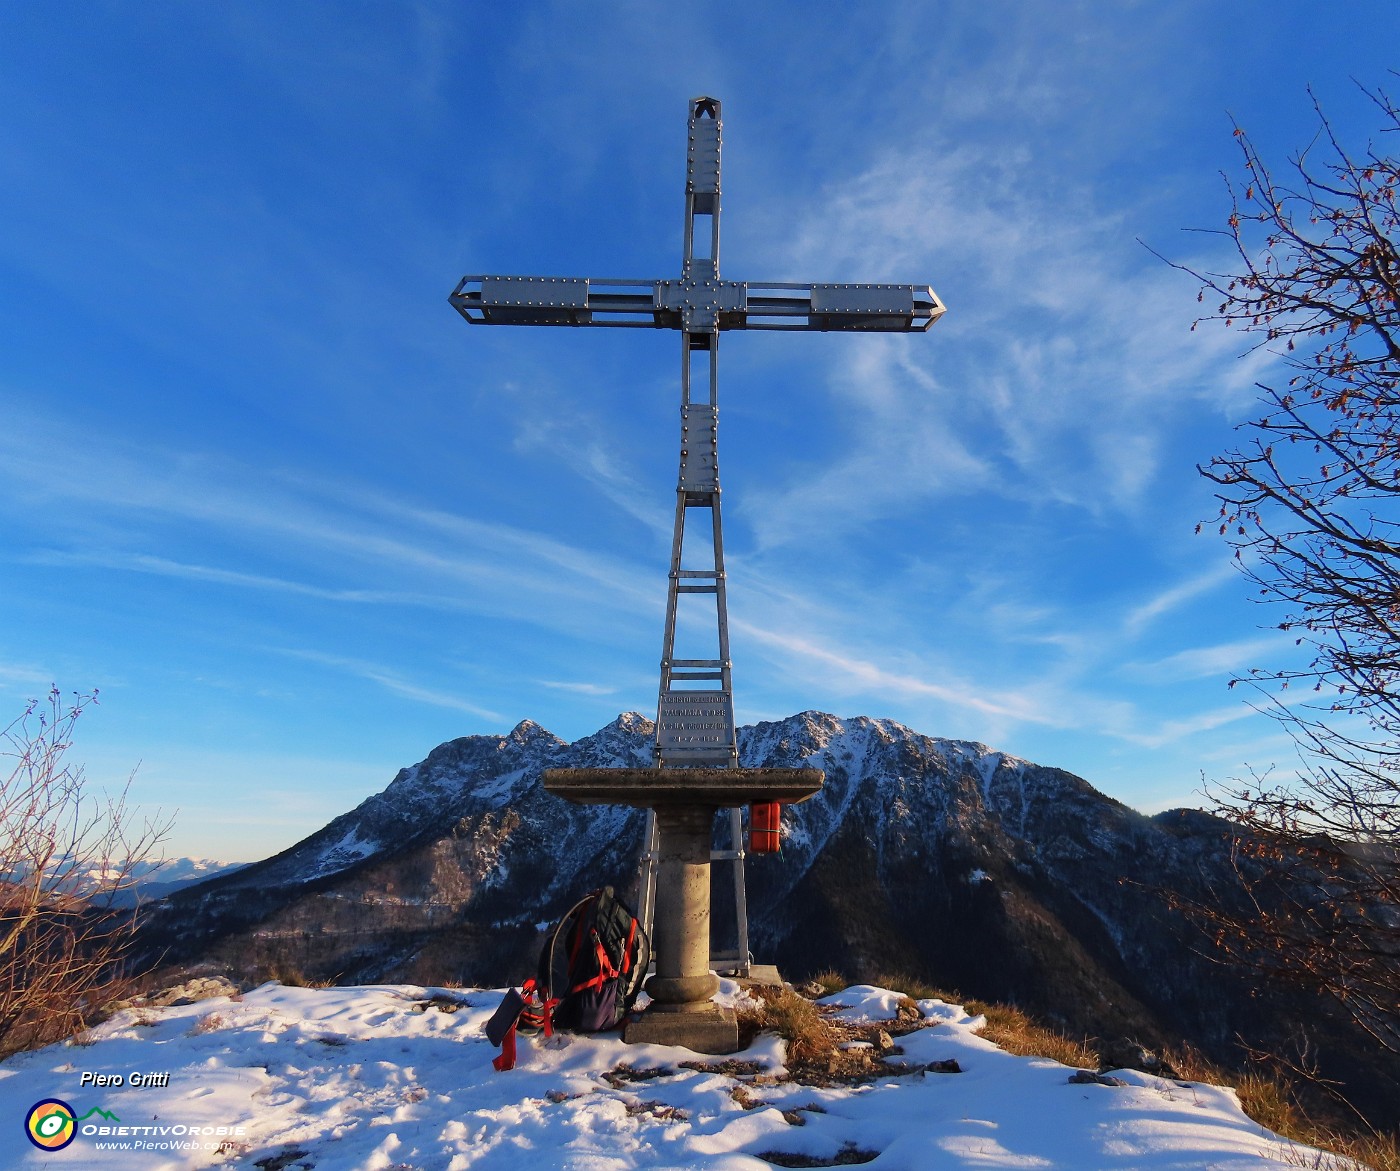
(567, 926)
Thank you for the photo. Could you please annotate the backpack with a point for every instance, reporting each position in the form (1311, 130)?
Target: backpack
(590, 971)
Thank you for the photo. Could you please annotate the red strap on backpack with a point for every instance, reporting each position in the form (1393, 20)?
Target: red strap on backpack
(576, 934)
(606, 971)
(548, 1013)
(506, 1058)
(627, 951)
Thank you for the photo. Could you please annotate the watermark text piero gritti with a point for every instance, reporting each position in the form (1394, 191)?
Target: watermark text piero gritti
(135, 1080)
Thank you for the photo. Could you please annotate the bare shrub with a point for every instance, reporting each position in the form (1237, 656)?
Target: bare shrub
(64, 855)
(1310, 502)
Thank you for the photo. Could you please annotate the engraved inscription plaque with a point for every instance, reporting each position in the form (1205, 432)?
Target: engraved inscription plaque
(691, 720)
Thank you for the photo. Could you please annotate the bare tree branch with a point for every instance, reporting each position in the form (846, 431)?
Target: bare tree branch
(1310, 502)
(64, 856)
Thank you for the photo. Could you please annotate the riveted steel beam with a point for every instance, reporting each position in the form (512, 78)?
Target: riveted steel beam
(695, 706)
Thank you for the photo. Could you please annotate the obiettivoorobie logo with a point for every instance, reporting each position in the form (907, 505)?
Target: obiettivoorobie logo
(52, 1124)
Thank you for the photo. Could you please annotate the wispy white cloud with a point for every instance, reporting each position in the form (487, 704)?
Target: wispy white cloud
(492, 568)
(1258, 752)
(1075, 690)
(1207, 661)
(1175, 596)
(164, 567)
(588, 446)
(1174, 730)
(391, 681)
(899, 450)
(852, 672)
(623, 582)
(25, 674)
(578, 688)
(1062, 371)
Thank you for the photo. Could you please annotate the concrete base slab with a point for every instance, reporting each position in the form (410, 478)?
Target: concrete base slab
(712, 1029)
(761, 975)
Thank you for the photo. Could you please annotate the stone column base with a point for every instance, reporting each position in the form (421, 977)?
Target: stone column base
(710, 1029)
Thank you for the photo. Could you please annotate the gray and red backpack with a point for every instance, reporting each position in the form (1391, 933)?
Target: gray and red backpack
(590, 972)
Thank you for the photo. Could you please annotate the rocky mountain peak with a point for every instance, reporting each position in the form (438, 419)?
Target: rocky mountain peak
(529, 733)
(634, 723)
(942, 859)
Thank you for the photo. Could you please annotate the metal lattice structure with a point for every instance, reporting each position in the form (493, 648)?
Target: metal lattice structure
(695, 702)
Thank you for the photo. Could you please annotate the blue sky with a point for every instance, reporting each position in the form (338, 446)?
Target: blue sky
(262, 487)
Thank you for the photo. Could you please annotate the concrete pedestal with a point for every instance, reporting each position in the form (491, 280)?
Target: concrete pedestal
(705, 1028)
(685, 801)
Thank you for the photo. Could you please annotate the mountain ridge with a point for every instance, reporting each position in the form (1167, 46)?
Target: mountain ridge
(942, 860)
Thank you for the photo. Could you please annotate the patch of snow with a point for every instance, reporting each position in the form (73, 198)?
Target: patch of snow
(498, 874)
(731, 994)
(407, 778)
(346, 852)
(863, 1004)
(375, 1077)
(987, 765)
(498, 789)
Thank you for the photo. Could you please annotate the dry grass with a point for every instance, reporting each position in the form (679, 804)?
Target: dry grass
(1012, 1030)
(209, 1023)
(831, 981)
(294, 977)
(848, 1155)
(810, 1039)
(1270, 1101)
(1378, 1152)
(1265, 1097)
(912, 987)
(820, 1049)
(796, 1020)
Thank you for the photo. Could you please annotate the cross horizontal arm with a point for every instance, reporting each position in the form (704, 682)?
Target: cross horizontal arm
(700, 304)
(865, 307)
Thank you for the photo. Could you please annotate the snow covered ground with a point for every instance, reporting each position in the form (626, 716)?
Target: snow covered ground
(381, 1078)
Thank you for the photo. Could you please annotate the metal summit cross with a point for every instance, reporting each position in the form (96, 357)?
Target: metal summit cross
(696, 769)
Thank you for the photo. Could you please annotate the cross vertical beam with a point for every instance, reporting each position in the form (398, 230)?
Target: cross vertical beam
(695, 727)
(695, 703)
(695, 724)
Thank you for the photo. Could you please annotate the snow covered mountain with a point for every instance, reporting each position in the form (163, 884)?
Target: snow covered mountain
(940, 860)
(144, 881)
(155, 880)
